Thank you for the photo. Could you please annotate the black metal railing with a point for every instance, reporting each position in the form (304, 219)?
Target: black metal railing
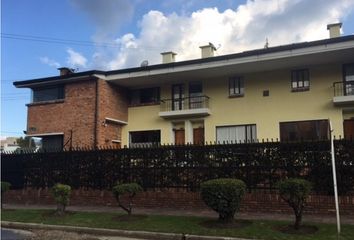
(343, 88)
(184, 103)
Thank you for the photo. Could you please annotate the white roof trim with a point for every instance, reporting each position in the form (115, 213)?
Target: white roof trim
(116, 141)
(225, 62)
(116, 121)
(44, 134)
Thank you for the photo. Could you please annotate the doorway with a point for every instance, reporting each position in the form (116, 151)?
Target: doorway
(348, 126)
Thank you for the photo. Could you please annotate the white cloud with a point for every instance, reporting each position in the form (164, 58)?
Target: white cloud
(235, 30)
(49, 62)
(76, 59)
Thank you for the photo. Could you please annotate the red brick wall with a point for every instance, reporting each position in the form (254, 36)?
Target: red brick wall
(113, 103)
(75, 113)
(252, 202)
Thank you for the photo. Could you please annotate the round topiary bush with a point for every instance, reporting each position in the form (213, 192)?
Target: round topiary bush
(295, 191)
(223, 196)
(61, 194)
(130, 189)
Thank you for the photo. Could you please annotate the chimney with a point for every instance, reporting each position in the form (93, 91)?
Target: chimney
(208, 50)
(334, 30)
(65, 71)
(168, 57)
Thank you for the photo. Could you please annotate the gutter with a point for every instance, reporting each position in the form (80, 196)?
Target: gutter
(52, 82)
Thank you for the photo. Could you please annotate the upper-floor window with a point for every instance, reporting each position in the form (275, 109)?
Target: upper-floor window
(145, 96)
(48, 93)
(236, 86)
(300, 80)
(348, 78)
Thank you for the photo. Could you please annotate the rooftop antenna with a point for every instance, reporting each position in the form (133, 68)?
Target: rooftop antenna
(144, 63)
(266, 45)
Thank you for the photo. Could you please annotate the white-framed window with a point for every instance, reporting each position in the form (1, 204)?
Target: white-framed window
(236, 133)
(236, 86)
(300, 80)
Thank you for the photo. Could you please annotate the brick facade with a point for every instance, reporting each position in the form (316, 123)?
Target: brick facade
(77, 113)
(174, 199)
(113, 104)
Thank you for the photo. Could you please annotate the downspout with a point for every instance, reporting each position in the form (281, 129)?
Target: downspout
(96, 116)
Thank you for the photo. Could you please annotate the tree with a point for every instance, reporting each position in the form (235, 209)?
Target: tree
(224, 196)
(130, 189)
(61, 194)
(25, 142)
(295, 191)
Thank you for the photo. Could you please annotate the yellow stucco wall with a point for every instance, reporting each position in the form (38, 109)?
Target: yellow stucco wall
(266, 112)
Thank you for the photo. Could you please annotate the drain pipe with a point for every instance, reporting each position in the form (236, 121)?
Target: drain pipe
(96, 115)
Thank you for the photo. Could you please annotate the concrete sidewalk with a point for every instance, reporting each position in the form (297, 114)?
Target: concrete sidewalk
(188, 212)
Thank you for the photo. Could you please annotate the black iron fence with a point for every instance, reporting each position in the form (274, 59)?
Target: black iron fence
(260, 165)
(343, 88)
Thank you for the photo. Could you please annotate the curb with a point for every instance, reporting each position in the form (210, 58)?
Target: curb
(112, 232)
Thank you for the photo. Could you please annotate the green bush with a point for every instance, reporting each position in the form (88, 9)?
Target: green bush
(61, 194)
(129, 189)
(295, 191)
(5, 186)
(223, 196)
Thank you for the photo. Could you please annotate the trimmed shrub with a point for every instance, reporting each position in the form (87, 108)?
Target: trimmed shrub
(61, 194)
(130, 189)
(5, 186)
(223, 196)
(295, 191)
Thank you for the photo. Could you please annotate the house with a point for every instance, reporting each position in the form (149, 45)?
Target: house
(285, 92)
(9, 144)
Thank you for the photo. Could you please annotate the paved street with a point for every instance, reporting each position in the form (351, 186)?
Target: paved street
(9, 234)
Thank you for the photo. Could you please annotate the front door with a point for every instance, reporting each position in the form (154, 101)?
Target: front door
(179, 136)
(177, 97)
(349, 129)
(198, 136)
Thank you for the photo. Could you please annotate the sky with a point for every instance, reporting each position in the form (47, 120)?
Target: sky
(39, 36)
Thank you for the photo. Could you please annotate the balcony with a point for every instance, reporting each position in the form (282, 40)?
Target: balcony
(197, 106)
(343, 93)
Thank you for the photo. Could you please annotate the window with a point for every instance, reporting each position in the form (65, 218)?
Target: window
(145, 96)
(177, 97)
(300, 80)
(348, 77)
(236, 133)
(304, 130)
(195, 95)
(48, 94)
(236, 86)
(144, 137)
(54, 142)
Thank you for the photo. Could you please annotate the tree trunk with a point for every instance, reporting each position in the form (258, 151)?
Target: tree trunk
(60, 209)
(226, 217)
(298, 219)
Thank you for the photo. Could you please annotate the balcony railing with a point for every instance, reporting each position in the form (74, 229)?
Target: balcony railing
(343, 88)
(343, 93)
(186, 103)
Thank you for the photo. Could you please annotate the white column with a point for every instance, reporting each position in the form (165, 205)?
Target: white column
(188, 128)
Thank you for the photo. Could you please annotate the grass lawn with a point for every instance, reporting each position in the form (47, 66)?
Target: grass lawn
(174, 224)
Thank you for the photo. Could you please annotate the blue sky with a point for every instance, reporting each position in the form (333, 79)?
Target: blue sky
(39, 36)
